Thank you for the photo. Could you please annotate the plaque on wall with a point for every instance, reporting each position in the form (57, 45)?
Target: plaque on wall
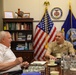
(56, 13)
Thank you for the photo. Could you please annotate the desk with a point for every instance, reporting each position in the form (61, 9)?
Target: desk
(57, 68)
(53, 68)
(61, 71)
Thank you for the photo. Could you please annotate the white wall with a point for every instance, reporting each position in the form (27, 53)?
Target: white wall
(36, 8)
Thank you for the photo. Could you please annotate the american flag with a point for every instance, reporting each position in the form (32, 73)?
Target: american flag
(44, 33)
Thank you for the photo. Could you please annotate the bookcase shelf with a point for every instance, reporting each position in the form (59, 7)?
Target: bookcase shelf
(21, 30)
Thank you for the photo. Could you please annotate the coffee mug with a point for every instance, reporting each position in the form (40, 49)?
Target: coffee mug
(54, 73)
(58, 55)
(52, 61)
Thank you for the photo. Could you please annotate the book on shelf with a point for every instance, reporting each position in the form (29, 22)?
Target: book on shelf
(6, 26)
(18, 26)
(13, 36)
(30, 26)
(20, 39)
(20, 36)
(22, 27)
(25, 26)
(26, 46)
(9, 26)
(30, 46)
(20, 47)
(13, 26)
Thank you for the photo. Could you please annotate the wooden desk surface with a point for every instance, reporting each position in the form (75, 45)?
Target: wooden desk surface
(61, 71)
(48, 69)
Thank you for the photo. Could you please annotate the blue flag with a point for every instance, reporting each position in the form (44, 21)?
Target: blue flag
(69, 27)
(70, 22)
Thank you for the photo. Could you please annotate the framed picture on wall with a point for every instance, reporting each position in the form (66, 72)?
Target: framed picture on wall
(26, 15)
(29, 37)
(8, 14)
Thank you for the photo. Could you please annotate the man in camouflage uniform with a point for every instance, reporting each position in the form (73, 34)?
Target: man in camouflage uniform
(59, 46)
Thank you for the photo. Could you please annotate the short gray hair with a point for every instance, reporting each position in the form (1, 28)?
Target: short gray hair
(2, 34)
(63, 34)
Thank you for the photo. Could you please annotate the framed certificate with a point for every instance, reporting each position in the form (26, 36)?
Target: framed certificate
(8, 14)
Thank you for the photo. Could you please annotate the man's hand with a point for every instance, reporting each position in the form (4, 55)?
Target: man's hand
(25, 64)
(52, 57)
(19, 60)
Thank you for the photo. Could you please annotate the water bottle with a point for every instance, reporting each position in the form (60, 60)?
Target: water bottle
(66, 61)
(62, 62)
(73, 62)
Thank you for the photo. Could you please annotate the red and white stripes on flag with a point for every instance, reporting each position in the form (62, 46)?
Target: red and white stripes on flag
(44, 33)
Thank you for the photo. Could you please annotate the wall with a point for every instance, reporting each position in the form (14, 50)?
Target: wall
(1, 13)
(36, 8)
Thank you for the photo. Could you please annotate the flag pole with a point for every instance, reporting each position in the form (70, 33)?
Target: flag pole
(71, 19)
(71, 12)
(46, 3)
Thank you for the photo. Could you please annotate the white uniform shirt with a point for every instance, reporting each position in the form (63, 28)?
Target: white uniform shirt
(6, 55)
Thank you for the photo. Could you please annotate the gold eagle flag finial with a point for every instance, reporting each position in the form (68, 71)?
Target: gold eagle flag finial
(46, 3)
(62, 30)
(70, 4)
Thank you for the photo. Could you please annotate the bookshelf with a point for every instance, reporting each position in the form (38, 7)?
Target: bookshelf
(21, 30)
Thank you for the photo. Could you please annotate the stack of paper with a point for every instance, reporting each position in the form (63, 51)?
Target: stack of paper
(38, 62)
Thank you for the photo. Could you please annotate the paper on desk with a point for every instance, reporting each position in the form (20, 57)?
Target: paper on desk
(39, 62)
